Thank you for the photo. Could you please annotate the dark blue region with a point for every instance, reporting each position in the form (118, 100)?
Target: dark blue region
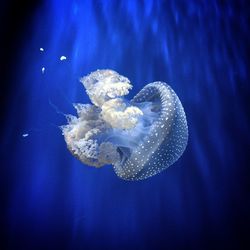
(50, 199)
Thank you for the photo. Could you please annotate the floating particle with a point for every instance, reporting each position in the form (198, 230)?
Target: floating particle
(41, 49)
(63, 58)
(43, 69)
(25, 135)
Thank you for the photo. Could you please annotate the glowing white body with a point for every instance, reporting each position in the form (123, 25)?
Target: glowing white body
(139, 139)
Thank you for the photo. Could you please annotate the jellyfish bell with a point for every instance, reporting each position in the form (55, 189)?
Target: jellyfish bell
(140, 138)
(167, 134)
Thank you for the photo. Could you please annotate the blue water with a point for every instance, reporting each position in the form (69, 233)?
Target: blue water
(201, 202)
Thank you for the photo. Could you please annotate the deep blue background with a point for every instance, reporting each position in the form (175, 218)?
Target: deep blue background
(51, 200)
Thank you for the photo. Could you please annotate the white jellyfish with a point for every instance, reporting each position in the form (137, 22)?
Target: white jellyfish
(140, 138)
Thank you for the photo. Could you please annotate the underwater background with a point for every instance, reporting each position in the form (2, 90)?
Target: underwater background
(52, 201)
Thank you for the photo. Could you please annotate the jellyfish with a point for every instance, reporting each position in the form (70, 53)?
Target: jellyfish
(139, 138)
